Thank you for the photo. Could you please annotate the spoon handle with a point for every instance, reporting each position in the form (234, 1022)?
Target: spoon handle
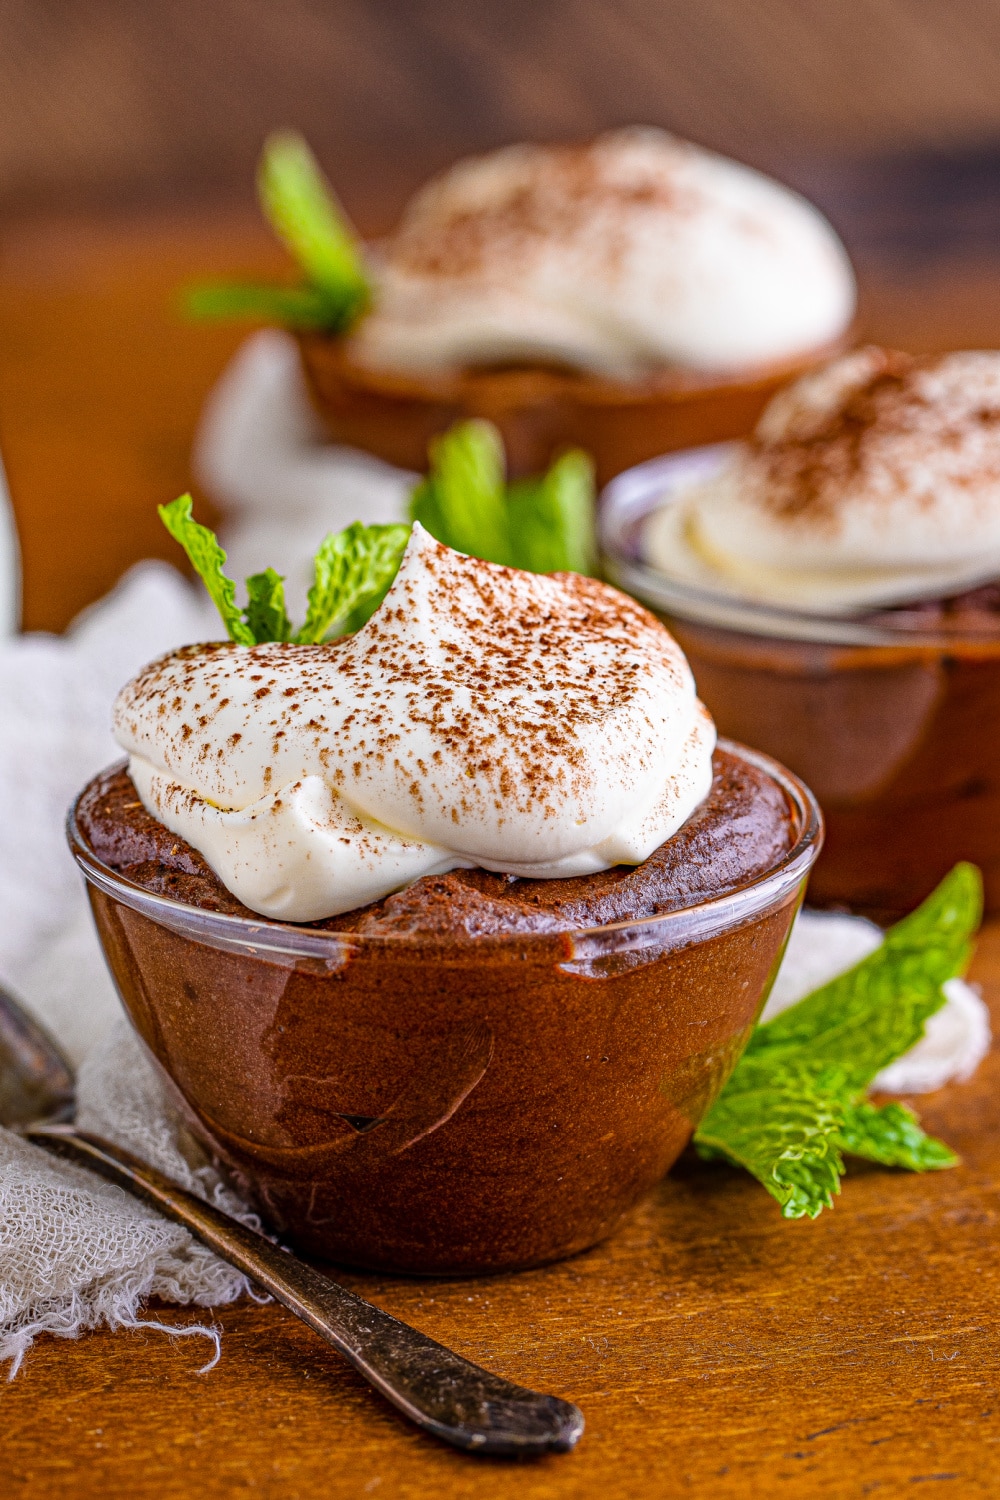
(437, 1389)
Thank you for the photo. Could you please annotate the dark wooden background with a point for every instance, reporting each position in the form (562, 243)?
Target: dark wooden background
(888, 111)
(129, 130)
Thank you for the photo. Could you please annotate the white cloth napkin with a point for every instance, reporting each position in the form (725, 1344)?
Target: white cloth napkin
(75, 1251)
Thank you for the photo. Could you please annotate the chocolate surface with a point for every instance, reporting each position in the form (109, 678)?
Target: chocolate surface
(743, 828)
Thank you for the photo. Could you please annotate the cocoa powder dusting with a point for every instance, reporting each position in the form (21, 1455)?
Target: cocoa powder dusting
(880, 433)
(553, 199)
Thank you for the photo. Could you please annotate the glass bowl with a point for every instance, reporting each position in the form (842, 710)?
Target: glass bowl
(894, 726)
(449, 1105)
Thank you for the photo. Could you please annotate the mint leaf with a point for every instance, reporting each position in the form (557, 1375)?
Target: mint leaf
(353, 572)
(354, 569)
(462, 502)
(295, 306)
(303, 209)
(265, 611)
(795, 1102)
(892, 1135)
(207, 558)
(544, 525)
(552, 519)
(867, 1017)
(783, 1129)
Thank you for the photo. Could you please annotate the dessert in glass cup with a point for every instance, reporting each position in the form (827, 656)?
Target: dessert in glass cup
(629, 295)
(835, 584)
(447, 931)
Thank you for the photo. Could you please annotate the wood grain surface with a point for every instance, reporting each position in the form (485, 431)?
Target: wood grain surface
(102, 102)
(716, 1350)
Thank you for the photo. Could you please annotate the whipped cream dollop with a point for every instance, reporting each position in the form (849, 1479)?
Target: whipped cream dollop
(633, 253)
(872, 481)
(539, 725)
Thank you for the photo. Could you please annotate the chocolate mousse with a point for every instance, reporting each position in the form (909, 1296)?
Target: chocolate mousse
(445, 933)
(742, 829)
(858, 538)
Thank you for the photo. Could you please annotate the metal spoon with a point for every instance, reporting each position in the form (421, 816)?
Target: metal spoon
(437, 1389)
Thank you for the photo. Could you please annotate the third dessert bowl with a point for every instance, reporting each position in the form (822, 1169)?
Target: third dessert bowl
(832, 585)
(445, 933)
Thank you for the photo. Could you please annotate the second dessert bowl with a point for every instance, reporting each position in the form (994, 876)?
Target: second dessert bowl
(832, 585)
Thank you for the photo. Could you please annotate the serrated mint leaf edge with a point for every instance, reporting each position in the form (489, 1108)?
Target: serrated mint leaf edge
(208, 559)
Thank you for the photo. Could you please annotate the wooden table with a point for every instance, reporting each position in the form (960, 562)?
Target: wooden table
(716, 1350)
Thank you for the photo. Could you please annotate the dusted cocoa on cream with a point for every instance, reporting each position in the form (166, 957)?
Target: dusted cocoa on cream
(542, 726)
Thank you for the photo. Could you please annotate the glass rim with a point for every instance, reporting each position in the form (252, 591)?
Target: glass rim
(288, 941)
(632, 496)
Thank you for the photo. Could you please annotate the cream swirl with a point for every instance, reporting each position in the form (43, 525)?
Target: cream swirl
(538, 725)
(872, 481)
(636, 252)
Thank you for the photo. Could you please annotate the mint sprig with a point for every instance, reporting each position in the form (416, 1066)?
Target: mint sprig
(543, 525)
(305, 213)
(796, 1104)
(353, 570)
(208, 559)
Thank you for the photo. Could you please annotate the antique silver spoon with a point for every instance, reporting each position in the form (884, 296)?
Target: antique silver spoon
(437, 1389)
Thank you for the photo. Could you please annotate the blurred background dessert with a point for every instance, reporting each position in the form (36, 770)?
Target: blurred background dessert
(634, 293)
(623, 257)
(872, 482)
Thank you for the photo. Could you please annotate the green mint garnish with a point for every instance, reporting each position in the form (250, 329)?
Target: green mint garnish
(795, 1102)
(265, 609)
(353, 571)
(302, 208)
(552, 518)
(208, 559)
(543, 525)
(295, 306)
(462, 502)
